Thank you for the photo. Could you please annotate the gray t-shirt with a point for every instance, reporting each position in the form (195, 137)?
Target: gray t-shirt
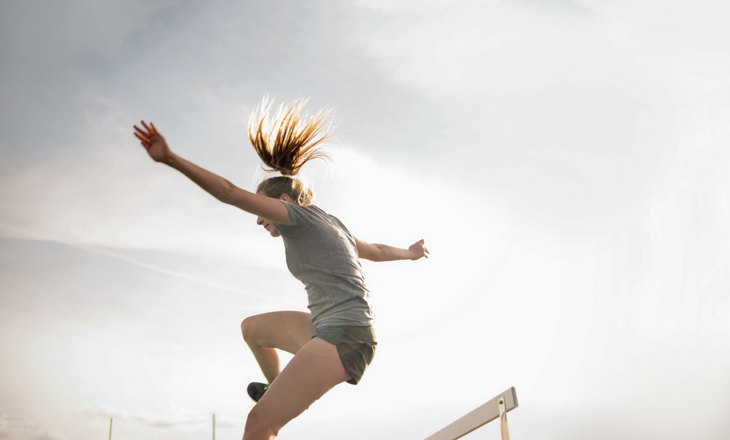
(322, 254)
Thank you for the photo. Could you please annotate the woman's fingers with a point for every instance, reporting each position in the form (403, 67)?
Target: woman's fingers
(147, 134)
(141, 136)
(142, 132)
(145, 141)
(422, 243)
(150, 132)
(425, 251)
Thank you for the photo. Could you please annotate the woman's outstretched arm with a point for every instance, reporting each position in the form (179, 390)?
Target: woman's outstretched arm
(383, 252)
(217, 186)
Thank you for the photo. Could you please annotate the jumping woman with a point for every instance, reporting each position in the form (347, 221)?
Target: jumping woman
(335, 342)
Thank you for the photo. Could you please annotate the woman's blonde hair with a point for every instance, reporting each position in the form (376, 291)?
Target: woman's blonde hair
(286, 144)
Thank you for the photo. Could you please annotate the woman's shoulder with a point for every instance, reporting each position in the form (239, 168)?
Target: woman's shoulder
(303, 214)
(305, 208)
(313, 213)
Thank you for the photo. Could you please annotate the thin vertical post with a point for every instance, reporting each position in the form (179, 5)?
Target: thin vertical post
(213, 426)
(111, 419)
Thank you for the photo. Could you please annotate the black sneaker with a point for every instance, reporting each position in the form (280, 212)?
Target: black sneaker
(256, 390)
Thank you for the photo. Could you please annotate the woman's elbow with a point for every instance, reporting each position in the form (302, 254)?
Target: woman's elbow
(376, 255)
(227, 193)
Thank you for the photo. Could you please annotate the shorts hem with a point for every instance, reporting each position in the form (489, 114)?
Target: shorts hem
(356, 351)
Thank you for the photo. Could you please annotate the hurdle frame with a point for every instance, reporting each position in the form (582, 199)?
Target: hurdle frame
(479, 417)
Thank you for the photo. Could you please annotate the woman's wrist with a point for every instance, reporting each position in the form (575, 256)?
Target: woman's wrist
(171, 160)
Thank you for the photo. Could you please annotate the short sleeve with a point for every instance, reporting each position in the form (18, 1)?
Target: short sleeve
(300, 218)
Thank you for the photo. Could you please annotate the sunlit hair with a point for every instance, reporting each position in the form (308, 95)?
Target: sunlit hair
(285, 143)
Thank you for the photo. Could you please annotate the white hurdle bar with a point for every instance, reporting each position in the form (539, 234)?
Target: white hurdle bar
(477, 418)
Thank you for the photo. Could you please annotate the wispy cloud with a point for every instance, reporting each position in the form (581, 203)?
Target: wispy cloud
(162, 270)
(7, 423)
(178, 419)
(49, 435)
(17, 428)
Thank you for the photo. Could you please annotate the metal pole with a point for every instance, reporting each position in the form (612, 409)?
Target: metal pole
(111, 419)
(213, 426)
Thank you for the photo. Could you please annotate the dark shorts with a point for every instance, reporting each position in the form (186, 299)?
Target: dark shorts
(355, 345)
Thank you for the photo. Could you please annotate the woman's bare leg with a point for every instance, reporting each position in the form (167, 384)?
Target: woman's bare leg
(287, 331)
(313, 371)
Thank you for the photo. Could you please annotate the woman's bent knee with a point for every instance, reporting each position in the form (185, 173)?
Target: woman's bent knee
(257, 426)
(247, 329)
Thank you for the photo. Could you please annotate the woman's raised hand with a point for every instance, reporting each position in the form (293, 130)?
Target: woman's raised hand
(153, 142)
(418, 250)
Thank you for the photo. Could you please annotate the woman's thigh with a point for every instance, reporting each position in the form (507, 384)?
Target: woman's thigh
(313, 371)
(287, 331)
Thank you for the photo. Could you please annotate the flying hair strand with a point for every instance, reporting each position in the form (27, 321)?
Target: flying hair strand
(291, 139)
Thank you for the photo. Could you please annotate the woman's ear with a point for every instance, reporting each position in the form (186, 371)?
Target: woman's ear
(285, 197)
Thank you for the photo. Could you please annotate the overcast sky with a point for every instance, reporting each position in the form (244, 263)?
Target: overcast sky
(567, 163)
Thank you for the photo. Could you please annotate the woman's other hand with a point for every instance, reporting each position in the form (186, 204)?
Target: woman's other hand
(153, 142)
(418, 250)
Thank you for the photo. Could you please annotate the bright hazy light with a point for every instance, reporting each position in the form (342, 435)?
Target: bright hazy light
(565, 161)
